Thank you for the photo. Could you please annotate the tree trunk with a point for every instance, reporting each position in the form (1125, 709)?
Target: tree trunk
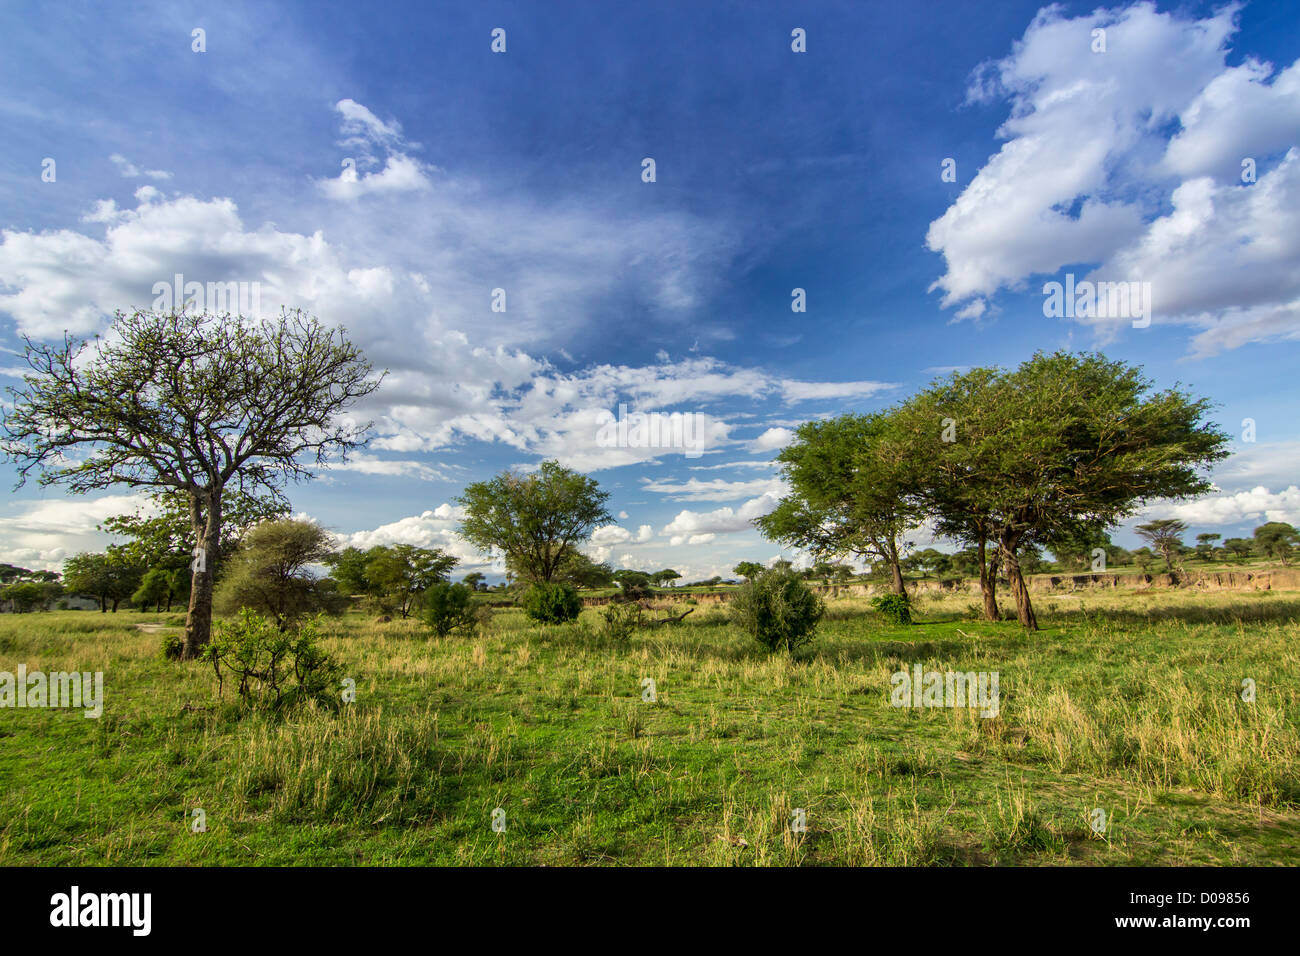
(988, 584)
(1024, 608)
(899, 586)
(890, 548)
(207, 532)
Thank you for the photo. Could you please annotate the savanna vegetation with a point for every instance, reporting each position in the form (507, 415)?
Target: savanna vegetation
(321, 703)
(1130, 702)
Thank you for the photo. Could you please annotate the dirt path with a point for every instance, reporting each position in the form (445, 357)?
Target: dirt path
(156, 628)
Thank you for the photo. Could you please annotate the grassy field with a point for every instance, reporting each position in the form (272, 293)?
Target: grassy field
(1126, 702)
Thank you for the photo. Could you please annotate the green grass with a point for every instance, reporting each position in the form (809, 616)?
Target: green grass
(1128, 702)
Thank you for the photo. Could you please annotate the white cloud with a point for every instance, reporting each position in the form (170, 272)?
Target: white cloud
(1259, 463)
(1089, 175)
(796, 391)
(129, 170)
(367, 464)
(611, 534)
(688, 525)
(430, 529)
(1245, 111)
(50, 531)
(1258, 504)
(693, 489)
(772, 439)
(400, 174)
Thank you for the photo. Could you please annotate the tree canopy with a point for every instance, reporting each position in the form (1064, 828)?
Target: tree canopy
(537, 520)
(190, 402)
(1056, 450)
(850, 492)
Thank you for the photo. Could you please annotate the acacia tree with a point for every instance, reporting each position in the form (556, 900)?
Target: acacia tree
(392, 578)
(940, 471)
(110, 577)
(193, 402)
(399, 575)
(536, 520)
(271, 573)
(1165, 536)
(849, 492)
(582, 572)
(1277, 539)
(1068, 445)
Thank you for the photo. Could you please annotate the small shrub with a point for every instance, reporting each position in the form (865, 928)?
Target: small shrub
(274, 668)
(449, 607)
(552, 603)
(620, 621)
(778, 609)
(171, 646)
(896, 608)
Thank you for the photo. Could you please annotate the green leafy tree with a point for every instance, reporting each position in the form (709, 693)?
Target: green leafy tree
(154, 589)
(191, 402)
(850, 493)
(10, 573)
(25, 596)
(110, 578)
(580, 571)
(1205, 546)
(748, 569)
(536, 520)
(936, 436)
(1276, 540)
(348, 568)
(162, 535)
(928, 561)
(398, 575)
(1064, 445)
(1240, 549)
(1165, 537)
(271, 573)
(633, 585)
(475, 581)
(1074, 551)
(551, 602)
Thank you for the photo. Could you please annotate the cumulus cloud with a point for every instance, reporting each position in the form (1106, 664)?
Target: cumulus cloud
(367, 133)
(795, 391)
(366, 464)
(612, 534)
(1275, 464)
(1224, 509)
(48, 532)
(429, 529)
(1090, 174)
(772, 439)
(690, 527)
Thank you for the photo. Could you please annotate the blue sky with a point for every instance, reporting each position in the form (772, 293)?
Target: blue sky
(472, 170)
